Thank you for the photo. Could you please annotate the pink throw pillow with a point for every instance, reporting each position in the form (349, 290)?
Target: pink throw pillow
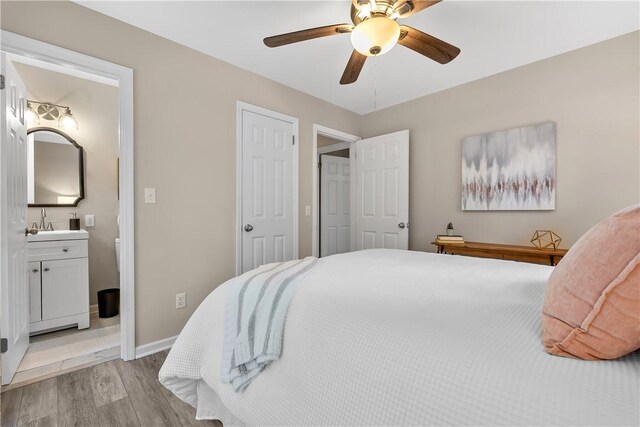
(592, 299)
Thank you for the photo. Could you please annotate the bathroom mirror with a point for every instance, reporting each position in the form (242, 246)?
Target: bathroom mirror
(55, 169)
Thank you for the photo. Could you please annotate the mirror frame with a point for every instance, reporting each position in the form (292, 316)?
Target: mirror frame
(80, 164)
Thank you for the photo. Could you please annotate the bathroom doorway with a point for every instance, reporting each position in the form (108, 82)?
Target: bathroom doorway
(72, 204)
(80, 184)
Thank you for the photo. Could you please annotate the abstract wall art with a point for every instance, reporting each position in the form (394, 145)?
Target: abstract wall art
(513, 169)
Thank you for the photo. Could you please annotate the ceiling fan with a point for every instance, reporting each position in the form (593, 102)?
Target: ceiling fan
(375, 32)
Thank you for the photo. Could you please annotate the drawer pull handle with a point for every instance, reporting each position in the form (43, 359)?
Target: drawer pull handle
(35, 270)
(65, 250)
(46, 269)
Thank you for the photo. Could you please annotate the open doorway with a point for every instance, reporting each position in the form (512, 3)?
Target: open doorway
(333, 201)
(69, 195)
(72, 188)
(334, 191)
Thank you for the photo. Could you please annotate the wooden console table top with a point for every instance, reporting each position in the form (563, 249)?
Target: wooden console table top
(499, 251)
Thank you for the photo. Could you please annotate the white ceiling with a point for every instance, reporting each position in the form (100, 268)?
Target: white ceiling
(494, 36)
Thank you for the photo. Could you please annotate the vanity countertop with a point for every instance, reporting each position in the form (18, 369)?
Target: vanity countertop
(44, 236)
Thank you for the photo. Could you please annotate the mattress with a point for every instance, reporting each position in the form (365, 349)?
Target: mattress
(386, 337)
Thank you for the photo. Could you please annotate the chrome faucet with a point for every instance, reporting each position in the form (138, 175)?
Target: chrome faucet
(43, 216)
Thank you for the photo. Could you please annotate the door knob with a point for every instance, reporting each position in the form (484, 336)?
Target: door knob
(33, 231)
(35, 270)
(65, 250)
(46, 269)
(248, 228)
(401, 225)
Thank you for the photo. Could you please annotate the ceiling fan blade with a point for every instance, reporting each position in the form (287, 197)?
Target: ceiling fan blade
(409, 7)
(354, 66)
(429, 46)
(311, 33)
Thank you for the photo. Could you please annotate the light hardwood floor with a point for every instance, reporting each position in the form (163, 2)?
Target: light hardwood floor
(115, 393)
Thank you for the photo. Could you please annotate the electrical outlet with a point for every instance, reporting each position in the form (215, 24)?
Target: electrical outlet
(181, 300)
(89, 220)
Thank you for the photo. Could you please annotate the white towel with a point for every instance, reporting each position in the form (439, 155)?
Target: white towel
(254, 319)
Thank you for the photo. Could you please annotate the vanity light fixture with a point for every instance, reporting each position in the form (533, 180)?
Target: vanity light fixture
(30, 115)
(67, 121)
(49, 111)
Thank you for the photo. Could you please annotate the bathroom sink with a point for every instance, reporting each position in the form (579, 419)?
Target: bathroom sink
(44, 236)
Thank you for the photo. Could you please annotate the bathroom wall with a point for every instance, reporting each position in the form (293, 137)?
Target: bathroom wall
(95, 107)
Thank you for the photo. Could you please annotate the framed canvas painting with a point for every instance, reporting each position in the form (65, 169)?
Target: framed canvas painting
(513, 169)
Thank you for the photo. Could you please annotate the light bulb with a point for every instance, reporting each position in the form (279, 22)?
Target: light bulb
(375, 36)
(31, 117)
(67, 121)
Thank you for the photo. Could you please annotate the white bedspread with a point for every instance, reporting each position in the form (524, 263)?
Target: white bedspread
(386, 337)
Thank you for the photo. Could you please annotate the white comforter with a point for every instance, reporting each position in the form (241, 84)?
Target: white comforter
(385, 337)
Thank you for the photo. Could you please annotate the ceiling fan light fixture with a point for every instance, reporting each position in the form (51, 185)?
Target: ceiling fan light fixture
(375, 36)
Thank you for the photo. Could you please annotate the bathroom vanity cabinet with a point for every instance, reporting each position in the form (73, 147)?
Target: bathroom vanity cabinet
(58, 280)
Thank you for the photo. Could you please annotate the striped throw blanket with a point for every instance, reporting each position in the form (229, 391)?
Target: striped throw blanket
(254, 319)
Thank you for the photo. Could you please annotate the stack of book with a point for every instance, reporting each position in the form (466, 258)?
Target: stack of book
(449, 240)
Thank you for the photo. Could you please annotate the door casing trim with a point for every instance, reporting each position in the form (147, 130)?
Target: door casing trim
(77, 63)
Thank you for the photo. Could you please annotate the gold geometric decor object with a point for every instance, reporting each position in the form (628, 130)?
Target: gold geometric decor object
(546, 239)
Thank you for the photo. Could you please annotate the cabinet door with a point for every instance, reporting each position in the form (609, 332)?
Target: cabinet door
(65, 288)
(35, 292)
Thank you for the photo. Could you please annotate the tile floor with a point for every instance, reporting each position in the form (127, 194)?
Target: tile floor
(58, 352)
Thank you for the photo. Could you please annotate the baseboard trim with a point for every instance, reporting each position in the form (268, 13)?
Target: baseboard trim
(93, 309)
(154, 347)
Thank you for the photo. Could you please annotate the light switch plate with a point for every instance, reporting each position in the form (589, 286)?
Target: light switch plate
(149, 195)
(181, 300)
(89, 220)
(307, 210)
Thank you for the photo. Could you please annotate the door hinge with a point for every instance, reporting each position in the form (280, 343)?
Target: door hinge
(1, 81)
(4, 345)
(293, 140)
(319, 165)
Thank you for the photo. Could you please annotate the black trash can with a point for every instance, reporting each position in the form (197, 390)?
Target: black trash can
(108, 302)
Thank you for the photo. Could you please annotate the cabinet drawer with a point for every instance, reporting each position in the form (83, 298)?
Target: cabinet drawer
(58, 249)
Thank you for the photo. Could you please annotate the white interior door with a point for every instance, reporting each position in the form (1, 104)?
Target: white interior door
(382, 191)
(14, 276)
(335, 205)
(267, 190)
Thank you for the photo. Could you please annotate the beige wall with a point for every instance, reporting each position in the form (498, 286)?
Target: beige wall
(185, 107)
(184, 144)
(323, 141)
(95, 107)
(593, 96)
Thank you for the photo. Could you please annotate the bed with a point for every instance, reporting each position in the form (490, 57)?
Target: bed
(387, 337)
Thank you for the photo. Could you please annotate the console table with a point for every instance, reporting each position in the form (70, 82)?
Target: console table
(498, 251)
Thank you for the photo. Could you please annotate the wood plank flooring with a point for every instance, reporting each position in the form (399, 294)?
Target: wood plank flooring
(114, 393)
(56, 353)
